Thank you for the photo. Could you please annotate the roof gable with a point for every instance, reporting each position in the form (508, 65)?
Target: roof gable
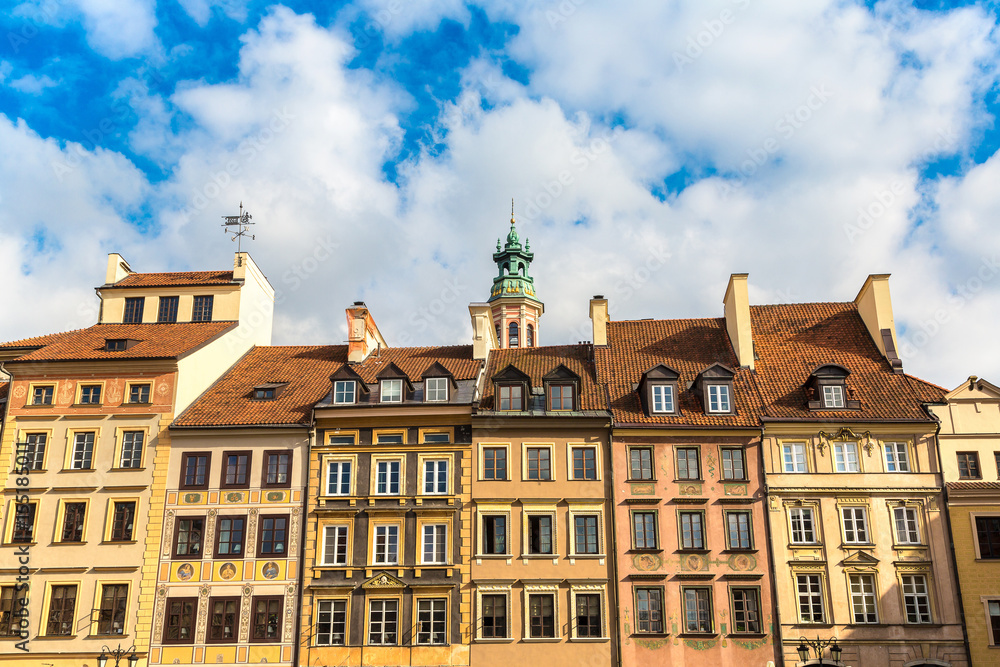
(511, 374)
(560, 372)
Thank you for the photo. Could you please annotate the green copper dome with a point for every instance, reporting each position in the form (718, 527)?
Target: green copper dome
(513, 263)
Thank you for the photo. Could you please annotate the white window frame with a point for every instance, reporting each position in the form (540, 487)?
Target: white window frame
(855, 522)
(846, 457)
(339, 464)
(989, 602)
(389, 462)
(484, 511)
(907, 518)
(331, 610)
(432, 602)
(438, 534)
(794, 449)
(802, 512)
(391, 391)
(342, 534)
(389, 530)
(494, 589)
(383, 602)
(719, 397)
(586, 510)
(428, 390)
(833, 396)
(434, 466)
(893, 461)
(570, 472)
(73, 452)
(916, 597)
(863, 591)
(813, 595)
(344, 390)
(663, 395)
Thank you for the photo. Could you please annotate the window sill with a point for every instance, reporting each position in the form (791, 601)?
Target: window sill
(697, 480)
(66, 544)
(847, 546)
(50, 638)
(739, 551)
(907, 547)
(698, 635)
(494, 640)
(645, 551)
(119, 542)
(639, 480)
(747, 635)
(590, 640)
(494, 556)
(640, 635)
(78, 470)
(112, 636)
(726, 480)
(807, 624)
(528, 479)
(542, 640)
(587, 556)
(20, 544)
(126, 469)
(545, 556)
(693, 551)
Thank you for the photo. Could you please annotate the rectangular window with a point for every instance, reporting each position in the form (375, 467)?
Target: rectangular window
(436, 477)
(588, 615)
(132, 442)
(988, 536)
(803, 531)
(24, 523)
(641, 463)
(122, 521)
(738, 531)
(432, 621)
(993, 607)
(74, 515)
(495, 533)
(343, 391)
(916, 599)
(687, 463)
(386, 547)
(855, 525)
(442, 438)
(138, 393)
(833, 396)
(223, 619)
(692, 530)
(62, 605)
(495, 463)
(436, 390)
(168, 309)
(133, 310)
(585, 533)
(392, 391)
(236, 470)
(663, 398)
(338, 478)
(111, 613)
(540, 534)
(83, 451)
(897, 457)
(179, 628)
(277, 469)
(42, 395)
(383, 620)
(697, 610)
(541, 615)
(331, 623)
(435, 543)
(511, 397)
(202, 310)
(273, 535)
(733, 463)
(335, 545)
(350, 439)
(387, 478)
(194, 471)
(644, 530)
(863, 606)
(539, 463)
(494, 617)
(968, 465)
(31, 454)
(845, 457)
(718, 398)
(395, 438)
(810, 598)
(230, 536)
(187, 543)
(584, 463)
(560, 397)
(90, 394)
(649, 610)
(265, 620)
(746, 610)
(10, 625)
(907, 525)
(794, 457)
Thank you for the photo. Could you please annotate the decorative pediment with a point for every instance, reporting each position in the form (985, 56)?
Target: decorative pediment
(394, 372)
(661, 372)
(346, 373)
(716, 371)
(846, 435)
(860, 559)
(511, 374)
(830, 371)
(560, 372)
(437, 370)
(382, 581)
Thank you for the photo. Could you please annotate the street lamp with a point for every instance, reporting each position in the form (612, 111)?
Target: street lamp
(819, 645)
(118, 654)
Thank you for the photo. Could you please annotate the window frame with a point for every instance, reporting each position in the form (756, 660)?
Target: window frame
(210, 625)
(743, 463)
(830, 395)
(120, 449)
(529, 617)
(267, 599)
(438, 542)
(323, 544)
(30, 454)
(484, 448)
(853, 521)
(344, 389)
(376, 461)
(200, 314)
(374, 552)
(710, 615)
(224, 483)
(508, 388)
(14, 523)
(813, 528)
(970, 457)
(687, 464)
(734, 613)
(792, 448)
(635, 535)
(659, 629)
(266, 468)
(869, 600)
(701, 525)
(185, 457)
(260, 553)
(48, 609)
(724, 390)
(631, 464)
(574, 600)
(333, 602)
(557, 394)
(393, 397)
(668, 388)
(841, 456)
(339, 461)
(526, 449)
(63, 514)
(975, 518)
(72, 436)
(48, 395)
(216, 553)
(911, 516)
(98, 621)
(427, 389)
(192, 620)
(384, 633)
(527, 547)
(893, 461)
(140, 388)
(175, 554)
(114, 503)
(167, 308)
(750, 542)
(572, 449)
(925, 576)
(493, 592)
(426, 460)
(821, 584)
(82, 389)
(132, 309)
(433, 600)
(390, 434)
(482, 514)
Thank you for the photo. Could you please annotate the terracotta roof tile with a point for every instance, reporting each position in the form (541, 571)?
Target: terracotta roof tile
(973, 486)
(536, 362)
(38, 341)
(413, 361)
(176, 279)
(229, 402)
(688, 346)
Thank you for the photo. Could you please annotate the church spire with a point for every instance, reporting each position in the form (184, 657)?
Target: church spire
(516, 308)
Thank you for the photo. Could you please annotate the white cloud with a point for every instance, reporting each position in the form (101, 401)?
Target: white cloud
(119, 28)
(201, 10)
(33, 85)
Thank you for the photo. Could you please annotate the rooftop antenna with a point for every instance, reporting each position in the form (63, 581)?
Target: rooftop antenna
(238, 226)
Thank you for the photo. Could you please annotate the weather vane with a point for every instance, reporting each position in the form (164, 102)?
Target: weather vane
(238, 226)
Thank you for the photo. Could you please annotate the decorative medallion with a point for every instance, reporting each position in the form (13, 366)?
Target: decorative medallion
(270, 570)
(247, 590)
(383, 580)
(234, 497)
(227, 571)
(693, 562)
(192, 497)
(213, 512)
(647, 562)
(643, 489)
(275, 496)
(735, 489)
(742, 562)
(701, 644)
(66, 395)
(161, 390)
(185, 571)
(19, 391)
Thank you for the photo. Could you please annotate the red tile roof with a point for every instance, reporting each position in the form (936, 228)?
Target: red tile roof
(687, 346)
(229, 402)
(973, 486)
(536, 362)
(413, 361)
(37, 341)
(176, 279)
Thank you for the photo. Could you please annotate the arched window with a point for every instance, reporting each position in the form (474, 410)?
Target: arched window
(529, 336)
(520, 268)
(499, 337)
(512, 335)
(505, 270)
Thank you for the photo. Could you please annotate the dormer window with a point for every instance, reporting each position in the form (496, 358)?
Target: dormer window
(663, 398)
(392, 391)
(511, 396)
(561, 396)
(268, 392)
(118, 344)
(718, 398)
(344, 391)
(826, 389)
(715, 384)
(658, 390)
(561, 388)
(833, 397)
(436, 390)
(511, 389)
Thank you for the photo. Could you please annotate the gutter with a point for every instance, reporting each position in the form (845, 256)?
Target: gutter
(614, 531)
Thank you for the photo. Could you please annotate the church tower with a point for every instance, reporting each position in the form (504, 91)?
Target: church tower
(515, 308)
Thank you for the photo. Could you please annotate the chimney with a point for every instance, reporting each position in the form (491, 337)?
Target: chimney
(363, 336)
(599, 319)
(484, 335)
(737, 311)
(118, 268)
(875, 308)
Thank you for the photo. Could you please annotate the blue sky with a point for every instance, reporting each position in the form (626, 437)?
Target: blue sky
(652, 148)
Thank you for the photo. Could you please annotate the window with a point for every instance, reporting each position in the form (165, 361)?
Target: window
(718, 398)
(993, 607)
(230, 534)
(116, 344)
(181, 614)
(265, 622)
(10, 625)
(494, 617)
(335, 545)
(131, 454)
(436, 389)
(236, 470)
(512, 335)
(687, 463)
(584, 463)
(83, 451)
(529, 336)
(138, 393)
(833, 396)
(195, 471)
(697, 610)
(122, 521)
(62, 605)
(540, 534)
(996, 459)
(988, 537)
(541, 616)
(585, 534)
(692, 530)
(74, 515)
(435, 543)
(794, 457)
(644, 530)
(343, 391)
(187, 543)
(432, 621)
(90, 394)
(746, 610)
(738, 531)
(264, 394)
(588, 615)
(392, 391)
(845, 457)
(386, 545)
(539, 463)
(383, 618)
(855, 525)
(24, 523)
(733, 463)
(331, 623)
(392, 438)
(133, 310)
(202, 310)
(338, 478)
(907, 525)
(277, 469)
(810, 598)
(968, 465)
(494, 534)
(273, 535)
(495, 463)
(111, 613)
(641, 463)
(897, 457)
(387, 478)
(863, 606)
(223, 619)
(649, 610)
(803, 531)
(511, 397)
(436, 477)
(349, 439)
(663, 398)
(916, 600)
(42, 395)
(31, 453)
(168, 309)
(560, 397)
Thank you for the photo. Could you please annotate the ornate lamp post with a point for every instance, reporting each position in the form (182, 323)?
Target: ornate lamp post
(117, 654)
(819, 645)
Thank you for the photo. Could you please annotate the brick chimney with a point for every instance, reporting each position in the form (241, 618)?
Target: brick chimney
(737, 311)
(875, 307)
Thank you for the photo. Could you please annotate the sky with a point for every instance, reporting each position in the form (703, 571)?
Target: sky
(651, 149)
